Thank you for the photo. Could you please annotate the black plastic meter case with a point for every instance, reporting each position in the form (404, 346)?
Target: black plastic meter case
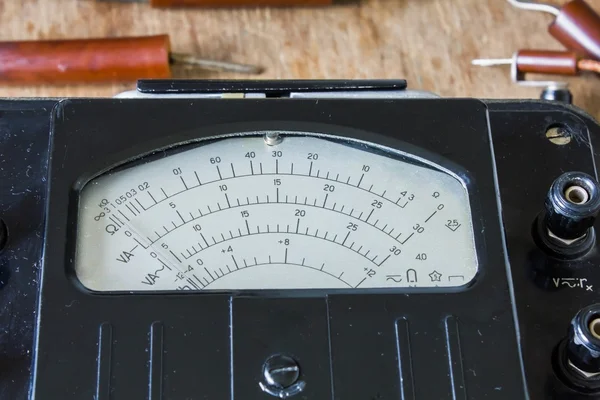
(297, 239)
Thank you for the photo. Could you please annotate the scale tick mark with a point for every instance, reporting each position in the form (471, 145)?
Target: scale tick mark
(346, 238)
(203, 238)
(182, 181)
(208, 272)
(175, 255)
(431, 216)
(409, 236)
(124, 216)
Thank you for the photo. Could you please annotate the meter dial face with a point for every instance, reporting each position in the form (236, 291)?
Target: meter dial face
(306, 213)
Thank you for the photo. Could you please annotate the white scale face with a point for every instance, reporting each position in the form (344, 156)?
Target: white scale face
(307, 213)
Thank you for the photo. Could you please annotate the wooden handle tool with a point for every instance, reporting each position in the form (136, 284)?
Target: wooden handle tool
(98, 60)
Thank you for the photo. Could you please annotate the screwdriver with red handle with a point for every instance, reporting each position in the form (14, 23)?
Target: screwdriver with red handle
(99, 60)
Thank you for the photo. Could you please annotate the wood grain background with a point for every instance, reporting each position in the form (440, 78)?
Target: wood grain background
(428, 42)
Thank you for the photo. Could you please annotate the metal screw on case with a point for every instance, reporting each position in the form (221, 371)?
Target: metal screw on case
(281, 374)
(281, 371)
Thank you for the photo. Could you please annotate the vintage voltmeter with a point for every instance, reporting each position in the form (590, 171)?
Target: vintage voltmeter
(303, 239)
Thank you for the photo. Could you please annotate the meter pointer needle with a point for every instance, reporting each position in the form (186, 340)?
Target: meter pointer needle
(150, 245)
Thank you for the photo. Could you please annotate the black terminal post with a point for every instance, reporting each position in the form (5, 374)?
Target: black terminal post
(565, 228)
(579, 354)
(559, 94)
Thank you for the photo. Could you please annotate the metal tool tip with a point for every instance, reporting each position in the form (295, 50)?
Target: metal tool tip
(212, 65)
(535, 6)
(490, 62)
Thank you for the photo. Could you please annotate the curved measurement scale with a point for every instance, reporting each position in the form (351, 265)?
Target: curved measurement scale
(238, 214)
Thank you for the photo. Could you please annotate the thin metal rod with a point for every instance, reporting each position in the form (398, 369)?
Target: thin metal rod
(533, 6)
(492, 62)
(212, 65)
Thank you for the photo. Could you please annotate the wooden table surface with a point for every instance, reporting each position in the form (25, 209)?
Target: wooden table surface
(429, 42)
